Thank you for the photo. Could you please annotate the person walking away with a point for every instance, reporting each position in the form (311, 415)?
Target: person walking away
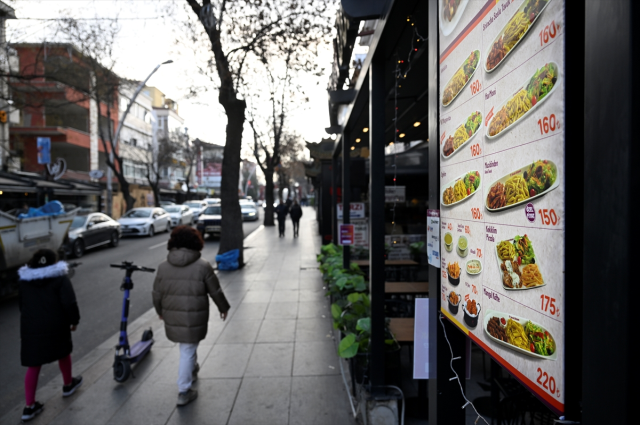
(48, 314)
(296, 214)
(281, 210)
(180, 290)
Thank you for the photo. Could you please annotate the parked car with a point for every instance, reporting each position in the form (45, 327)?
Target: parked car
(249, 212)
(90, 231)
(180, 214)
(212, 201)
(196, 207)
(145, 221)
(165, 203)
(210, 220)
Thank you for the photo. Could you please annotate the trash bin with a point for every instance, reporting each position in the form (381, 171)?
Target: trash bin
(228, 260)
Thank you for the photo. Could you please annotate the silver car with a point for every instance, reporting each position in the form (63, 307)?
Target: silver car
(145, 221)
(180, 215)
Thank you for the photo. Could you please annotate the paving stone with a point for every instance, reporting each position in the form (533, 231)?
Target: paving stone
(310, 295)
(262, 401)
(226, 361)
(213, 405)
(149, 405)
(286, 284)
(285, 296)
(310, 309)
(315, 329)
(286, 310)
(249, 311)
(319, 400)
(277, 330)
(315, 358)
(240, 331)
(257, 296)
(270, 360)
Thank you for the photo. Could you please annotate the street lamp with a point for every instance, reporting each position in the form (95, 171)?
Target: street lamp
(117, 136)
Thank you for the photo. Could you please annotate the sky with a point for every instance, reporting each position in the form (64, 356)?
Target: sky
(147, 38)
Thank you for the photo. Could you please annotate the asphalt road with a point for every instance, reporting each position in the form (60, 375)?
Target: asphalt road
(100, 302)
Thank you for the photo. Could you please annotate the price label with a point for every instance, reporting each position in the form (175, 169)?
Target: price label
(549, 32)
(549, 305)
(479, 253)
(474, 289)
(548, 217)
(450, 226)
(548, 382)
(466, 297)
(547, 124)
(476, 150)
(475, 87)
(444, 274)
(476, 214)
(467, 230)
(444, 298)
(442, 137)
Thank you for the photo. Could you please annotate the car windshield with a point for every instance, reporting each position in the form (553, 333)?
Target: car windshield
(172, 209)
(194, 205)
(78, 222)
(212, 211)
(138, 214)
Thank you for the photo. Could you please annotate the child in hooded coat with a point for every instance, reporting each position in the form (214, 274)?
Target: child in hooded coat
(48, 314)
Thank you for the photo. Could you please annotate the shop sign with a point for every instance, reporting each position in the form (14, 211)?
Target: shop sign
(394, 194)
(357, 210)
(502, 188)
(44, 150)
(360, 232)
(346, 234)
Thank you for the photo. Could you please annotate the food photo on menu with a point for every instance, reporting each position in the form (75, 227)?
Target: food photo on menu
(514, 32)
(460, 79)
(531, 181)
(525, 100)
(463, 134)
(520, 334)
(461, 188)
(518, 264)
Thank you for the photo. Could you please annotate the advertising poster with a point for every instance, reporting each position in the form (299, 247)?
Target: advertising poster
(502, 208)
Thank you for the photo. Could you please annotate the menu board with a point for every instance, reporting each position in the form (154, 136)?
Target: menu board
(502, 148)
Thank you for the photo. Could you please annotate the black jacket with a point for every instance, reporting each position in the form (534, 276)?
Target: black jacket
(48, 308)
(295, 212)
(282, 210)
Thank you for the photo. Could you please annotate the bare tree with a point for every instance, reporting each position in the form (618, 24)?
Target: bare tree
(163, 156)
(241, 35)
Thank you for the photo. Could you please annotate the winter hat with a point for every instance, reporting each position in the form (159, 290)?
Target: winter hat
(43, 258)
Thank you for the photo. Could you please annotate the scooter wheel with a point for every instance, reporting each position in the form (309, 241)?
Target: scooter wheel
(147, 335)
(121, 370)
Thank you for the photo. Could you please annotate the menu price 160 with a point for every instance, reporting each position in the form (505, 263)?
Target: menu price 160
(548, 124)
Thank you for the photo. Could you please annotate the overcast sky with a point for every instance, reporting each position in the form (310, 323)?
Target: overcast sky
(147, 38)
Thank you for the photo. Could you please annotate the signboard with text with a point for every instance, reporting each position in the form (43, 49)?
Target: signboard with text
(357, 210)
(502, 190)
(347, 237)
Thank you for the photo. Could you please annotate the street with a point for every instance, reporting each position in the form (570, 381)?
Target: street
(100, 302)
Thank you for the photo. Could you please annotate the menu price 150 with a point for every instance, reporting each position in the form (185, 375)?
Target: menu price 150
(548, 217)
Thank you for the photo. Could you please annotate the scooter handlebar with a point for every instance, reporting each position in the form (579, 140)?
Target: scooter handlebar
(132, 267)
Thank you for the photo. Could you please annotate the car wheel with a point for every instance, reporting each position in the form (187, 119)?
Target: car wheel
(78, 248)
(115, 240)
(151, 231)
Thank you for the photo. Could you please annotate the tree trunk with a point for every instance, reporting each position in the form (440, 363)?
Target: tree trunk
(268, 196)
(124, 188)
(232, 234)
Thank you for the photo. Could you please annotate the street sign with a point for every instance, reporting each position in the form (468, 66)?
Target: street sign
(347, 234)
(44, 150)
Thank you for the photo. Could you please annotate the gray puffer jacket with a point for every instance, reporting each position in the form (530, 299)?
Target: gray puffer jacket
(180, 292)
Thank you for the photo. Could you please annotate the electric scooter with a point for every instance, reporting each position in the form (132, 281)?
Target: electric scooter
(126, 356)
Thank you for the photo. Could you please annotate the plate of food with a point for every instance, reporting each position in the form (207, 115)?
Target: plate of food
(450, 13)
(463, 246)
(471, 310)
(522, 185)
(520, 334)
(454, 302)
(524, 100)
(453, 273)
(519, 266)
(464, 133)
(463, 187)
(461, 77)
(448, 241)
(514, 32)
(474, 266)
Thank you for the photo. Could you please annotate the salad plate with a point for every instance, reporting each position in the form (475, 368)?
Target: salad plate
(462, 124)
(526, 114)
(489, 314)
(451, 185)
(536, 261)
(469, 77)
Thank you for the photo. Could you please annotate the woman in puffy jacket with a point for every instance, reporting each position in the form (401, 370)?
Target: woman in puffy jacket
(48, 315)
(180, 296)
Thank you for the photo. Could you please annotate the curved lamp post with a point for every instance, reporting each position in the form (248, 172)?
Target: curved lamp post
(117, 136)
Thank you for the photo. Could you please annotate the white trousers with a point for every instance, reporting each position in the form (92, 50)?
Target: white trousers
(188, 358)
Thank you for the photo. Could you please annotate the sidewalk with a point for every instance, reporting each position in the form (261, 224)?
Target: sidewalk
(272, 362)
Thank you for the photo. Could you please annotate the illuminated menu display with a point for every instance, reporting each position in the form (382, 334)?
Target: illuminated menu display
(502, 148)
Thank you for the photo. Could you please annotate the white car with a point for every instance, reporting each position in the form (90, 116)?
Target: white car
(212, 201)
(180, 215)
(196, 207)
(145, 221)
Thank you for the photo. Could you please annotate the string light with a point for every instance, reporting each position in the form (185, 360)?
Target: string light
(364, 130)
(358, 140)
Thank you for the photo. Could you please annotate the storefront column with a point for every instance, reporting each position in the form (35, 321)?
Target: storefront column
(445, 399)
(376, 217)
(334, 199)
(324, 202)
(346, 192)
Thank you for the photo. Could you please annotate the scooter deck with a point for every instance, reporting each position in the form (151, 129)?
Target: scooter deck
(139, 349)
